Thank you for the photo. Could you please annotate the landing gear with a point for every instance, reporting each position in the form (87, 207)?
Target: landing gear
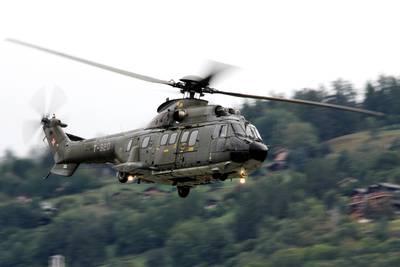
(219, 176)
(122, 177)
(183, 191)
(223, 177)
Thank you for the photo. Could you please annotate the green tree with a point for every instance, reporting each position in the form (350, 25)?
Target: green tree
(193, 242)
(272, 123)
(321, 176)
(17, 215)
(291, 257)
(133, 234)
(79, 236)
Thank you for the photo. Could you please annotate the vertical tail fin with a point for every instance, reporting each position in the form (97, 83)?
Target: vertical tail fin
(56, 137)
(58, 142)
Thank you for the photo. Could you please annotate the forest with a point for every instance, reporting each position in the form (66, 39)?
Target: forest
(292, 217)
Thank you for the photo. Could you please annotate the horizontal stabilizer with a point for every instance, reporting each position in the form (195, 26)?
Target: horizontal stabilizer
(64, 169)
(74, 137)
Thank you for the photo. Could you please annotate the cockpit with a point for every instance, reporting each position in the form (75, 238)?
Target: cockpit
(246, 130)
(248, 145)
(252, 132)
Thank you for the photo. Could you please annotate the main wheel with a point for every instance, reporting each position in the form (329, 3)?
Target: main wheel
(122, 177)
(183, 191)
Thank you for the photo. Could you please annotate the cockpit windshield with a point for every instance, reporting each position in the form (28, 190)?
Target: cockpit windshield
(257, 132)
(249, 132)
(252, 132)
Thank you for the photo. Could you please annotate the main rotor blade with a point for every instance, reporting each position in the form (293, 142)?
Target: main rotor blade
(302, 102)
(215, 69)
(94, 64)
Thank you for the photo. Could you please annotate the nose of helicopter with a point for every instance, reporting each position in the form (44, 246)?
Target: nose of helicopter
(258, 151)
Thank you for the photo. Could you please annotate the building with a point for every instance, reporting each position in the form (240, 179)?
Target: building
(154, 191)
(279, 161)
(375, 199)
(57, 261)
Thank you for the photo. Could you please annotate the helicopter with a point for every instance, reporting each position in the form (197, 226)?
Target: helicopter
(188, 143)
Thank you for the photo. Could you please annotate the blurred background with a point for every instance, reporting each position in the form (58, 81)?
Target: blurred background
(327, 196)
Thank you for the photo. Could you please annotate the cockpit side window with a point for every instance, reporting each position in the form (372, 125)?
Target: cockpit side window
(216, 131)
(238, 129)
(224, 131)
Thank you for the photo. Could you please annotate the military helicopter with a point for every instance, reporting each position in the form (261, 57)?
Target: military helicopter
(188, 143)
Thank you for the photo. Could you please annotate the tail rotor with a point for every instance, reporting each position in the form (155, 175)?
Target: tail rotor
(44, 104)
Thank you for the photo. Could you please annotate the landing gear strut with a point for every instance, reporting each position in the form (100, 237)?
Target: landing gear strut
(183, 191)
(122, 177)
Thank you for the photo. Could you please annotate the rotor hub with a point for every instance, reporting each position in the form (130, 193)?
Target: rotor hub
(45, 121)
(192, 85)
(191, 79)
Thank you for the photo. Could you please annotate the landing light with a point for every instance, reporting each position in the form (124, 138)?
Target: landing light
(242, 180)
(243, 173)
(130, 178)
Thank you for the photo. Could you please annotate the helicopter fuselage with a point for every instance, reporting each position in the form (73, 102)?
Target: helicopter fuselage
(188, 143)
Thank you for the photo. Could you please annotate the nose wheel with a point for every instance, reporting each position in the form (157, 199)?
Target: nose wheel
(122, 177)
(183, 191)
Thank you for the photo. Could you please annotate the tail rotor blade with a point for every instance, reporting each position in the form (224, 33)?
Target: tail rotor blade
(38, 102)
(30, 130)
(57, 100)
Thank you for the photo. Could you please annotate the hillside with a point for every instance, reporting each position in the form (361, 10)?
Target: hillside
(380, 140)
(284, 218)
(297, 216)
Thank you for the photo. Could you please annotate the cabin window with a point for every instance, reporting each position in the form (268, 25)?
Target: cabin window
(172, 138)
(193, 138)
(164, 139)
(238, 129)
(129, 145)
(224, 130)
(145, 142)
(184, 137)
